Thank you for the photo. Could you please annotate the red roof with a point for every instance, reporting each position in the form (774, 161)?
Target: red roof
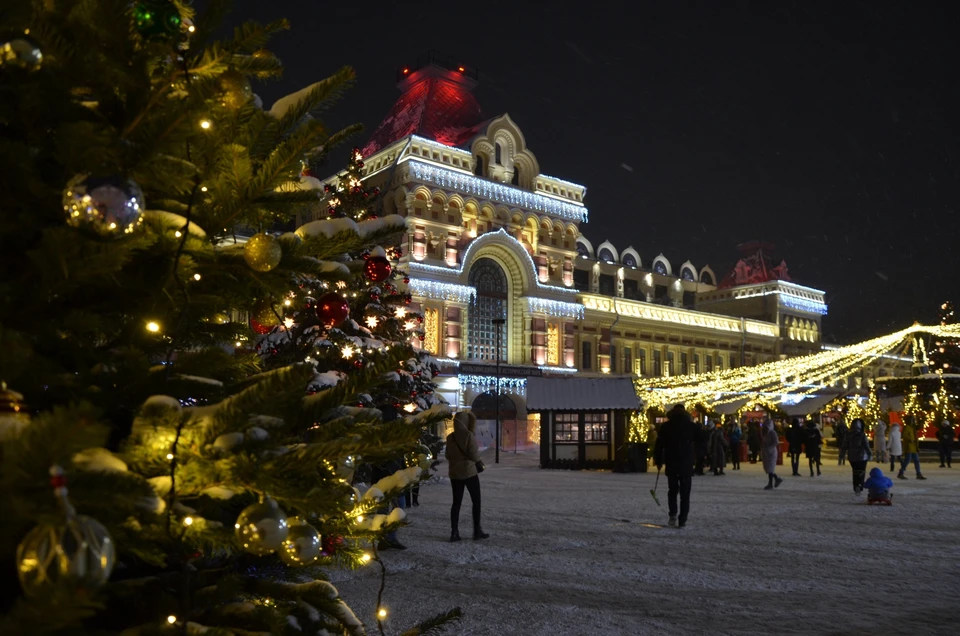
(756, 266)
(437, 103)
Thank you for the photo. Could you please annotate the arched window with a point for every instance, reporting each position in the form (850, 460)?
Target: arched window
(687, 274)
(630, 261)
(705, 277)
(660, 268)
(516, 175)
(478, 168)
(582, 250)
(497, 154)
(489, 304)
(606, 255)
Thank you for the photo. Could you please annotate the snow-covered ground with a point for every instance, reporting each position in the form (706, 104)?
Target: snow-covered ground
(590, 553)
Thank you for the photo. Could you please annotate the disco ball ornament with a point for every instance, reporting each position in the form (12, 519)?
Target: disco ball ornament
(332, 309)
(262, 527)
(110, 206)
(79, 549)
(235, 89)
(302, 545)
(264, 320)
(377, 268)
(156, 19)
(262, 252)
(20, 51)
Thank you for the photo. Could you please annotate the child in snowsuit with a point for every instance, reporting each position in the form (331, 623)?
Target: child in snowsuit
(878, 487)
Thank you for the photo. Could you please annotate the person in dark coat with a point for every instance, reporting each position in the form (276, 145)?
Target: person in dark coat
(945, 436)
(795, 437)
(753, 440)
(701, 449)
(736, 436)
(857, 448)
(840, 435)
(717, 448)
(812, 443)
(675, 450)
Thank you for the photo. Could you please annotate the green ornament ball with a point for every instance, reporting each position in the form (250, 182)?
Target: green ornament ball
(156, 19)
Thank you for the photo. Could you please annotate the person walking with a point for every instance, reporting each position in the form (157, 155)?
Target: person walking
(700, 447)
(675, 451)
(753, 440)
(769, 449)
(895, 445)
(911, 448)
(717, 448)
(880, 441)
(463, 456)
(812, 443)
(795, 436)
(736, 435)
(858, 452)
(945, 435)
(840, 436)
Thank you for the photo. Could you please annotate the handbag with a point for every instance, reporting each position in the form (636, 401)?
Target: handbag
(479, 464)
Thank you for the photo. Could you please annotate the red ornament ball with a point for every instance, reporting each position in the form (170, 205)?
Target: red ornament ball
(264, 320)
(331, 545)
(377, 268)
(358, 364)
(332, 309)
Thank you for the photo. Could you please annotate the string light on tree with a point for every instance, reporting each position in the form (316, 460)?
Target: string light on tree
(347, 352)
(372, 322)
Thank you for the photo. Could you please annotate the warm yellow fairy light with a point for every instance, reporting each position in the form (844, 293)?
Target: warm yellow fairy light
(287, 302)
(288, 323)
(169, 455)
(359, 518)
(196, 277)
(409, 407)
(153, 327)
(341, 284)
(401, 312)
(177, 234)
(381, 613)
(188, 521)
(205, 124)
(410, 325)
(171, 619)
(366, 557)
(191, 28)
(347, 352)
(237, 343)
(372, 321)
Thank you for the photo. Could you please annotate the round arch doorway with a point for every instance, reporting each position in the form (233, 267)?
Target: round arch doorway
(513, 431)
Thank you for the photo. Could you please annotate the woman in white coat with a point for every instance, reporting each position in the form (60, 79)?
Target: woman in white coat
(894, 445)
(769, 449)
(880, 441)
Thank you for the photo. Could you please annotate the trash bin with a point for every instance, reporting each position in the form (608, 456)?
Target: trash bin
(637, 457)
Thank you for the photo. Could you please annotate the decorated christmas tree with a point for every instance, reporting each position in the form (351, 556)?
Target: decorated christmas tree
(945, 352)
(158, 473)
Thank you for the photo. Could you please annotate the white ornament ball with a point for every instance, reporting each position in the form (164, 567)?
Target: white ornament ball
(261, 527)
(110, 206)
(18, 50)
(80, 549)
(302, 545)
(262, 252)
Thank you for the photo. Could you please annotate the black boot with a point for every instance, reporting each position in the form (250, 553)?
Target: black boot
(478, 533)
(454, 535)
(769, 485)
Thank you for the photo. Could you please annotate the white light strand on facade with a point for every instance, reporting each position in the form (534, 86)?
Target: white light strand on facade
(556, 308)
(803, 304)
(489, 382)
(441, 291)
(469, 184)
(547, 369)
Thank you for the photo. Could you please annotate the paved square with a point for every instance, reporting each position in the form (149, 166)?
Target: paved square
(590, 553)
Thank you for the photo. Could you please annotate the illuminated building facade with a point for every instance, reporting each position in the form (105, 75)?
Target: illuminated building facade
(491, 236)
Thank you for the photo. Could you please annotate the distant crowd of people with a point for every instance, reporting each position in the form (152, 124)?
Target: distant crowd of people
(685, 449)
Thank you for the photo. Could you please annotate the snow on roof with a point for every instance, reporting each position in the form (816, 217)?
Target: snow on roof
(580, 394)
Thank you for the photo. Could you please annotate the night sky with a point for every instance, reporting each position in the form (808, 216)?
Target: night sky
(829, 129)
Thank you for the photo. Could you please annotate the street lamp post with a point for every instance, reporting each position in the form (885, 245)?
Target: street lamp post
(499, 324)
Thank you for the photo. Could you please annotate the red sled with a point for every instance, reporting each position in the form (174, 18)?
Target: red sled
(880, 501)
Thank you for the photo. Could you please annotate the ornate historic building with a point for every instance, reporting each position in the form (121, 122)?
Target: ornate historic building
(490, 236)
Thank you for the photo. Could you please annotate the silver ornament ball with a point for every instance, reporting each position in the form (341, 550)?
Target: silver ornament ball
(111, 206)
(261, 527)
(18, 50)
(302, 545)
(262, 252)
(80, 549)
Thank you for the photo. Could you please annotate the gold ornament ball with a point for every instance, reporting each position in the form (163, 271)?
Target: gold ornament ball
(261, 527)
(81, 550)
(13, 413)
(235, 89)
(302, 545)
(262, 252)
